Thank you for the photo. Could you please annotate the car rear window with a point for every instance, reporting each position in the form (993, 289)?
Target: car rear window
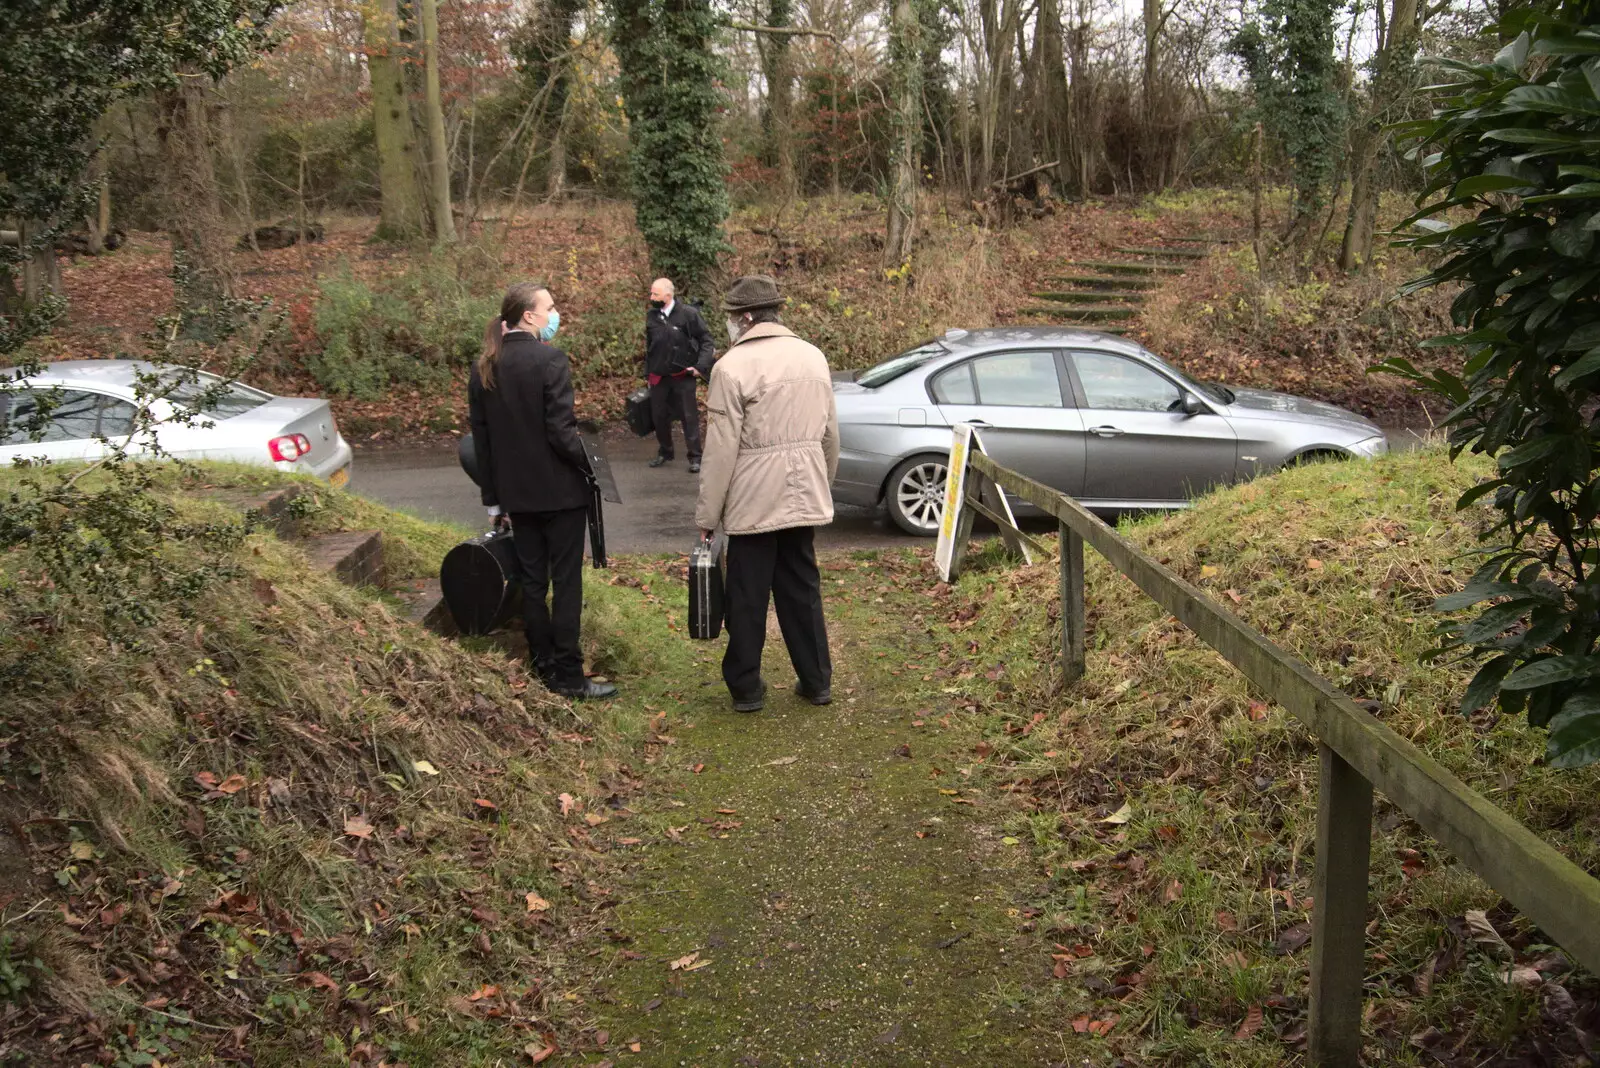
(235, 398)
(891, 369)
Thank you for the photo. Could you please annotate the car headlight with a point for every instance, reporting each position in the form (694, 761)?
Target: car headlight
(1376, 445)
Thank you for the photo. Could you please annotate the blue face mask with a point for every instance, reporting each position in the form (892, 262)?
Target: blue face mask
(550, 328)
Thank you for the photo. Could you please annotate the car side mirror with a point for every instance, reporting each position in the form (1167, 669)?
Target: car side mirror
(1191, 404)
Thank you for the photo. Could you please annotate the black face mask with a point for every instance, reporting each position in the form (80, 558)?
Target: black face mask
(658, 304)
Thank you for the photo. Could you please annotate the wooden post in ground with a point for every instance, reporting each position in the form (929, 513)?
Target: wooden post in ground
(1072, 615)
(1339, 912)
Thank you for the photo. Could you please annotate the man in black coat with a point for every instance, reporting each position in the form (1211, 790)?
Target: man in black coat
(535, 475)
(678, 351)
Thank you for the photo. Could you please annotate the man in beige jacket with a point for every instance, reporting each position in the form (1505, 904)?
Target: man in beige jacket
(771, 453)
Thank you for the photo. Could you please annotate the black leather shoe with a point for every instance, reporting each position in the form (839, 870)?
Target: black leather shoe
(823, 696)
(754, 703)
(659, 460)
(694, 467)
(589, 691)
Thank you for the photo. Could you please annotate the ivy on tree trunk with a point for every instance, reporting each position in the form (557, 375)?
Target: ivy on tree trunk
(669, 78)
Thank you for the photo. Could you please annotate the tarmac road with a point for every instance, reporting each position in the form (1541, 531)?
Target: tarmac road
(657, 510)
(656, 514)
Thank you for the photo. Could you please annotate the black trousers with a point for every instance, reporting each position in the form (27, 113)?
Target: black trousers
(550, 550)
(674, 398)
(780, 566)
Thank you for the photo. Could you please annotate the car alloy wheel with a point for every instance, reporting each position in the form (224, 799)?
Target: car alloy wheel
(916, 495)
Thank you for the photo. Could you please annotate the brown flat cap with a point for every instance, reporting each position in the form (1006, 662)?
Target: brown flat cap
(751, 292)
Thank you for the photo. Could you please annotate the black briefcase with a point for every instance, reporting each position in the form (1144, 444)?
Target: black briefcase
(637, 412)
(705, 592)
(481, 582)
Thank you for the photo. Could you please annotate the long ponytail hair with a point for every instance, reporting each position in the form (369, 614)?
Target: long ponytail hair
(518, 299)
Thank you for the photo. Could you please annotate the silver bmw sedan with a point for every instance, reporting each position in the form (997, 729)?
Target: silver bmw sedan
(1093, 415)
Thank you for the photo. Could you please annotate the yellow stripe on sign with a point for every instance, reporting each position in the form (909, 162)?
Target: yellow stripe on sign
(958, 462)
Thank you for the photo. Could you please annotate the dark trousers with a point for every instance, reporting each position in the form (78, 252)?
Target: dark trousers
(781, 566)
(674, 398)
(550, 551)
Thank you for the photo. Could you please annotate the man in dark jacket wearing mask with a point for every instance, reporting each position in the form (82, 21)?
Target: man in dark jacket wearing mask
(678, 351)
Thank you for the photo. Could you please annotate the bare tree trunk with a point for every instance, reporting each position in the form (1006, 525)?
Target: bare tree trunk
(444, 223)
(401, 212)
(556, 180)
(1050, 103)
(905, 75)
(1391, 78)
(99, 224)
(194, 208)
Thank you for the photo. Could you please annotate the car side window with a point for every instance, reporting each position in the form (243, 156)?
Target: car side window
(1018, 379)
(1118, 384)
(73, 415)
(955, 386)
(116, 417)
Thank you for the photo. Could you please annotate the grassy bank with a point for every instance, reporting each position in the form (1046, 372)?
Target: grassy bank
(289, 824)
(1172, 810)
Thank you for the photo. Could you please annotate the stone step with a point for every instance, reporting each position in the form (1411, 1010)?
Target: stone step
(1100, 282)
(273, 510)
(1170, 253)
(1130, 268)
(425, 606)
(1090, 297)
(1067, 313)
(354, 557)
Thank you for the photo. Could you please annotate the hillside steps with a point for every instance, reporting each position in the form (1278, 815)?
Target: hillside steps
(1124, 267)
(1084, 313)
(1111, 291)
(354, 557)
(1090, 297)
(1093, 281)
(1164, 253)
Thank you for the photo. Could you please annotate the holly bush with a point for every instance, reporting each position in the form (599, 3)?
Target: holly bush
(1512, 208)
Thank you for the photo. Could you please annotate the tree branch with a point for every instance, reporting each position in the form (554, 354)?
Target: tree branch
(779, 31)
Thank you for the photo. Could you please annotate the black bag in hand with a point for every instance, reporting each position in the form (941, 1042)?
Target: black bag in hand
(637, 412)
(705, 592)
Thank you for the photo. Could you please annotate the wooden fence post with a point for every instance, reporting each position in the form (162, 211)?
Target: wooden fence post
(1339, 912)
(1072, 621)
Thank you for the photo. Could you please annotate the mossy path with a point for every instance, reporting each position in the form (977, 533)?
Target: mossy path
(819, 875)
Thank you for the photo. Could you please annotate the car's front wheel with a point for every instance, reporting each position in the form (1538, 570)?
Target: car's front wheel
(915, 494)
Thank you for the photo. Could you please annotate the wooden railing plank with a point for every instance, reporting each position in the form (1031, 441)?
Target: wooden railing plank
(1550, 890)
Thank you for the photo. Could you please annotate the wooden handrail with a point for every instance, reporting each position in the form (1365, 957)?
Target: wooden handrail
(1359, 753)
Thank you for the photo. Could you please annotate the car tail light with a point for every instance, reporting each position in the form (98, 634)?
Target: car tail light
(289, 448)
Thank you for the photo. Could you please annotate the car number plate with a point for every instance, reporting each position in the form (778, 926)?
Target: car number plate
(339, 477)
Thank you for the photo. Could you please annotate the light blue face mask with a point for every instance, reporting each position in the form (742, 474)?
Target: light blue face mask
(550, 328)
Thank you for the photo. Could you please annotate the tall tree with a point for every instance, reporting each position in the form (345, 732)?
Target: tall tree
(64, 63)
(401, 206)
(778, 70)
(444, 223)
(1288, 55)
(1392, 68)
(669, 78)
(905, 167)
(1050, 83)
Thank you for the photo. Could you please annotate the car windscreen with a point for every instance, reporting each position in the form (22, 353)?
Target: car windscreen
(203, 393)
(891, 369)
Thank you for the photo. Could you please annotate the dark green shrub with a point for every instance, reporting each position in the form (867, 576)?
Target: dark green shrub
(410, 331)
(1515, 141)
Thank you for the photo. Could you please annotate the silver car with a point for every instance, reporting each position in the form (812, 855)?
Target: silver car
(95, 399)
(1092, 415)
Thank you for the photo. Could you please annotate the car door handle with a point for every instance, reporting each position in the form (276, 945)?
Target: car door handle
(1106, 431)
(981, 424)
